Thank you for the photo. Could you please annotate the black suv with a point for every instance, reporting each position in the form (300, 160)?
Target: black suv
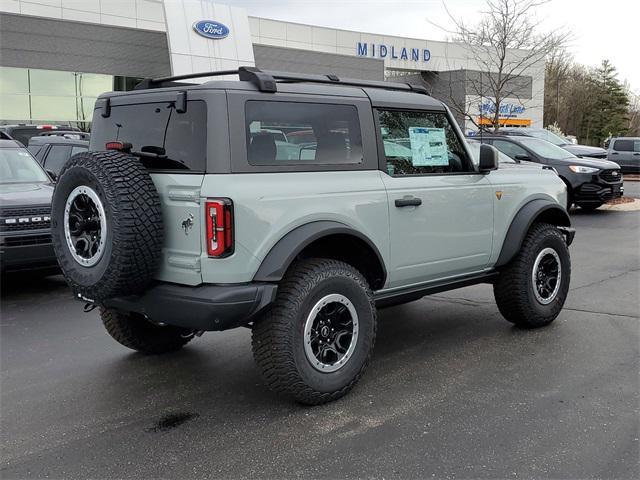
(25, 199)
(53, 149)
(590, 182)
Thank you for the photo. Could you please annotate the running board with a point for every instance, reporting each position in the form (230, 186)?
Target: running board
(385, 299)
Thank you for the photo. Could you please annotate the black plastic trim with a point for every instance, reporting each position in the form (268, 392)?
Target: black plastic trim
(207, 307)
(277, 261)
(522, 222)
(386, 299)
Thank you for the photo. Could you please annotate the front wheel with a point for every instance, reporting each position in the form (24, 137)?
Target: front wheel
(532, 288)
(316, 341)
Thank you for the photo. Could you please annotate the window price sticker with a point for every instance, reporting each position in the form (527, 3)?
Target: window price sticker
(428, 146)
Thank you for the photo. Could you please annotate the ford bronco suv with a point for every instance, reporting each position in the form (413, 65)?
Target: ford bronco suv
(296, 205)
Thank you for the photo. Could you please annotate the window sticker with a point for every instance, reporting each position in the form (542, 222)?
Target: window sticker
(428, 146)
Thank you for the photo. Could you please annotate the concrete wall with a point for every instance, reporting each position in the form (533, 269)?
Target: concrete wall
(304, 61)
(30, 42)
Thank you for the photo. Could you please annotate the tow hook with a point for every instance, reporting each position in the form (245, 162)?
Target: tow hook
(89, 307)
(568, 233)
(195, 333)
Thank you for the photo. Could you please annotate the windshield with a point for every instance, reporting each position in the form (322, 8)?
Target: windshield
(545, 149)
(18, 166)
(547, 135)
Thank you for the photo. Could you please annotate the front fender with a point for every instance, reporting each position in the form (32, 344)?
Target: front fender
(526, 216)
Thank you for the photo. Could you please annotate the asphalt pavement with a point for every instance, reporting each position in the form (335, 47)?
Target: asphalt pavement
(453, 390)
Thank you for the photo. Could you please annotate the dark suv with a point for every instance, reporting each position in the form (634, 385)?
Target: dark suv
(23, 132)
(52, 150)
(590, 182)
(25, 198)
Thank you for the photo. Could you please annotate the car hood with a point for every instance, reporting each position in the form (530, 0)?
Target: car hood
(586, 162)
(584, 150)
(25, 194)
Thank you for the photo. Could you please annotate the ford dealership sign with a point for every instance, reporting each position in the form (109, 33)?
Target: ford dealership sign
(211, 29)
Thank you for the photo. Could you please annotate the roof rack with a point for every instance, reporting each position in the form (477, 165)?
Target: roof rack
(267, 80)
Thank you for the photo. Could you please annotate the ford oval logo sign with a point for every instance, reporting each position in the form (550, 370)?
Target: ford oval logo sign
(211, 29)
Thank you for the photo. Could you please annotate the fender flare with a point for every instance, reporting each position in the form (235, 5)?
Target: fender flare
(284, 252)
(523, 220)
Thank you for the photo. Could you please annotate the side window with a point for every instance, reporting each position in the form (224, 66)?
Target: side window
(57, 157)
(623, 145)
(418, 143)
(291, 133)
(77, 149)
(510, 149)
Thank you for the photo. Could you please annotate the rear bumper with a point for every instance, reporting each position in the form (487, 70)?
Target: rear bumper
(205, 307)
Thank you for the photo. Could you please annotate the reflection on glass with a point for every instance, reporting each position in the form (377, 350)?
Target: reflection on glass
(14, 80)
(85, 108)
(93, 84)
(14, 107)
(49, 82)
(53, 108)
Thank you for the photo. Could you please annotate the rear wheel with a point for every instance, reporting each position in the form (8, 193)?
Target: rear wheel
(135, 332)
(532, 288)
(316, 342)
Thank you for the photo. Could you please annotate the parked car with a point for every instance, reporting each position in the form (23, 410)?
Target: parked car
(178, 221)
(625, 151)
(53, 150)
(549, 136)
(590, 182)
(25, 210)
(23, 132)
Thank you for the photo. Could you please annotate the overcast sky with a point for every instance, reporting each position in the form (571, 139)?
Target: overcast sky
(600, 29)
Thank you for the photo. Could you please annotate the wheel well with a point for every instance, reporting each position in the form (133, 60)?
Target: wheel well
(349, 249)
(554, 216)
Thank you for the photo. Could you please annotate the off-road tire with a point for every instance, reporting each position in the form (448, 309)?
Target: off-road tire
(278, 338)
(513, 289)
(134, 236)
(135, 332)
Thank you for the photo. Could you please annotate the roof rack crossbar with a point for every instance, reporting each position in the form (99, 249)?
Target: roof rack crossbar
(266, 81)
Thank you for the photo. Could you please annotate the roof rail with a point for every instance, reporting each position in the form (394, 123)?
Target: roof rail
(267, 80)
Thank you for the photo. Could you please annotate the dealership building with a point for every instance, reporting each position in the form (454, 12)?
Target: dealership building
(57, 56)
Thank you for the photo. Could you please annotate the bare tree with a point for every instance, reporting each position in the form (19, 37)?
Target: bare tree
(505, 45)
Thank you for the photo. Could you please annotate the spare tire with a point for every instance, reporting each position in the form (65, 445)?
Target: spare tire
(106, 225)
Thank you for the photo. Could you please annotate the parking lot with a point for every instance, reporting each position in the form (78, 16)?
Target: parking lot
(453, 390)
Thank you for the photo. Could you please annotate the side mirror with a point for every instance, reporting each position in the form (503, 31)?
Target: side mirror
(521, 158)
(488, 158)
(53, 176)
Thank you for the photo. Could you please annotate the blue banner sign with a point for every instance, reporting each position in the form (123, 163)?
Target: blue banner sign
(506, 109)
(211, 29)
(364, 49)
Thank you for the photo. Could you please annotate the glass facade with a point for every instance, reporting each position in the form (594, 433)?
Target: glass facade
(30, 95)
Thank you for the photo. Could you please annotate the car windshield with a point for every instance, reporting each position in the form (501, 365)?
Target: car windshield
(474, 147)
(547, 135)
(18, 166)
(545, 149)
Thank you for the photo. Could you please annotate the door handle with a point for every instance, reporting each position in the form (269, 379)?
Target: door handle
(408, 201)
(614, 153)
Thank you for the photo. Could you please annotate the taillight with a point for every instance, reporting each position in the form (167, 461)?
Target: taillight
(120, 146)
(219, 217)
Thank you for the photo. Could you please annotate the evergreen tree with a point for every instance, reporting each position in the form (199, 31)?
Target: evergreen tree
(611, 102)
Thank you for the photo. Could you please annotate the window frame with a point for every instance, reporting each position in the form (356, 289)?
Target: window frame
(382, 158)
(533, 158)
(615, 149)
(237, 123)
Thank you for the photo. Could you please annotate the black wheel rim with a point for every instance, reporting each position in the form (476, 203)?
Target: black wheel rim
(546, 275)
(85, 226)
(331, 333)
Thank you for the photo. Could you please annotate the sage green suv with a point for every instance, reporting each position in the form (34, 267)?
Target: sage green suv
(296, 205)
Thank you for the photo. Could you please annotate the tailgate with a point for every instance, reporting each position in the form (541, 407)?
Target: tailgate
(182, 217)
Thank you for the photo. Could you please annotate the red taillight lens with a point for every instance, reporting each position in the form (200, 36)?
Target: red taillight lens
(120, 146)
(219, 217)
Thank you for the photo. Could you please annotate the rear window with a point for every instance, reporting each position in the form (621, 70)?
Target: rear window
(292, 133)
(153, 126)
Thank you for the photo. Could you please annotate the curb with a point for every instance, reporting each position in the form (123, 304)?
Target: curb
(622, 207)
